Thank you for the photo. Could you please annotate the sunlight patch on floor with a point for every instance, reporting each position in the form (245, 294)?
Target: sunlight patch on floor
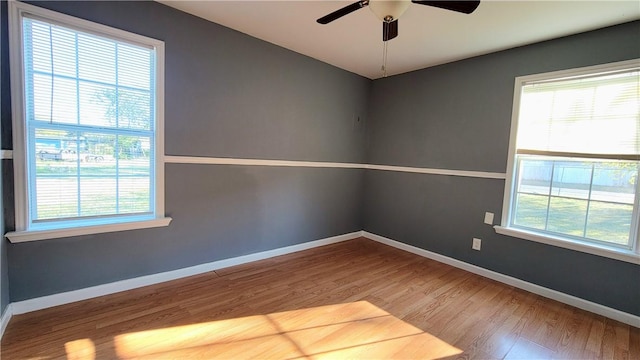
(351, 330)
(80, 349)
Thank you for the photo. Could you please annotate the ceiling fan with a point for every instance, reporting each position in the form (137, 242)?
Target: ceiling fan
(390, 11)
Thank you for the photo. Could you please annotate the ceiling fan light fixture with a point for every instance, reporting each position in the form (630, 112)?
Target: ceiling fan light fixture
(386, 10)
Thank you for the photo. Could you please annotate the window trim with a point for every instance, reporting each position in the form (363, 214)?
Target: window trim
(632, 255)
(24, 232)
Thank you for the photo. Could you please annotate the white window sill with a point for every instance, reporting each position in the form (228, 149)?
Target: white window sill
(34, 235)
(613, 253)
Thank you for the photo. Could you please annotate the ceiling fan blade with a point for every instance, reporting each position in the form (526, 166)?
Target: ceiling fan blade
(466, 7)
(342, 12)
(389, 30)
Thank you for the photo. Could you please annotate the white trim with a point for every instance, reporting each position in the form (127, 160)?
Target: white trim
(6, 317)
(511, 155)
(34, 235)
(159, 129)
(257, 162)
(6, 154)
(599, 309)
(628, 256)
(465, 173)
(321, 164)
(17, 100)
(21, 307)
(79, 24)
(575, 72)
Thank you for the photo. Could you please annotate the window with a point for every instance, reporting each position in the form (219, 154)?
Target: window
(87, 126)
(575, 158)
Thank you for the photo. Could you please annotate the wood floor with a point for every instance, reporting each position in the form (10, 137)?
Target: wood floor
(355, 299)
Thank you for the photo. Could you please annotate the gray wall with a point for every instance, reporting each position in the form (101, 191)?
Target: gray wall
(458, 116)
(227, 95)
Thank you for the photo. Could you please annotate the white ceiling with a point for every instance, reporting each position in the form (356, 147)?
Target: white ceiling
(428, 36)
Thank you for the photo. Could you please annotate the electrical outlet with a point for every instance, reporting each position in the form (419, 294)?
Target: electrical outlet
(477, 243)
(488, 218)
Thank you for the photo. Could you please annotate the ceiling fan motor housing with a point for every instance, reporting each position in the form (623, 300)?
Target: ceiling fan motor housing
(388, 11)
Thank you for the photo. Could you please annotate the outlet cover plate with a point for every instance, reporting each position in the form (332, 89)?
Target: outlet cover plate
(477, 243)
(488, 218)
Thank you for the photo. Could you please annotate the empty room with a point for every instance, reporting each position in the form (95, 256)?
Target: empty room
(320, 179)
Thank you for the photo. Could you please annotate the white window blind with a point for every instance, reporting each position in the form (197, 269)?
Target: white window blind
(90, 124)
(591, 116)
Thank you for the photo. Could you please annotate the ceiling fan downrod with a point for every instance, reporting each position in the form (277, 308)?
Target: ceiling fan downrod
(389, 31)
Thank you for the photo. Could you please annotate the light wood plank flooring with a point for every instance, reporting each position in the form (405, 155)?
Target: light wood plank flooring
(356, 299)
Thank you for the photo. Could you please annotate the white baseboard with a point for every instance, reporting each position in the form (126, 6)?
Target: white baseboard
(21, 307)
(4, 320)
(618, 315)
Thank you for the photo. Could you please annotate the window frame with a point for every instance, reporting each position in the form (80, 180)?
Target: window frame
(631, 255)
(24, 226)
